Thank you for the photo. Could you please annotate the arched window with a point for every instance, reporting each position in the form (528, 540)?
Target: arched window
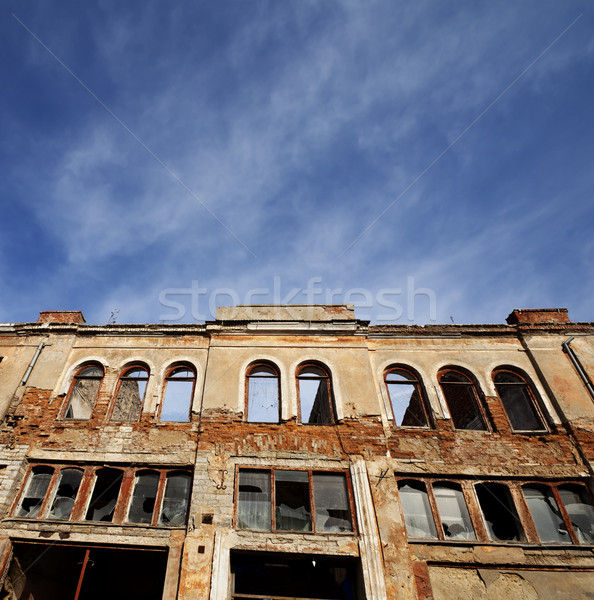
(83, 392)
(263, 394)
(315, 395)
(179, 391)
(409, 405)
(519, 400)
(462, 398)
(131, 389)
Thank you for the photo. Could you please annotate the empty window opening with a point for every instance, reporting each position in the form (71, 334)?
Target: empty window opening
(259, 575)
(144, 497)
(128, 403)
(519, 401)
(579, 508)
(453, 511)
(179, 391)
(175, 500)
(84, 393)
(263, 394)
(105, 495)
(315, 402)
(66, 491)
(462, 399)
(68, 572)
(417, 510)
(407, 398)
(546, 514)
(499, 512)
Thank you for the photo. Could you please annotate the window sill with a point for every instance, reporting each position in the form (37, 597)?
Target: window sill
(136, 526)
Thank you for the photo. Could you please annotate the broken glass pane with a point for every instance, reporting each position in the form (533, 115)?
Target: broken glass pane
(143, 497)
(499, 511)
(293, 512)
(331, 501)
(417, 510)
(84, 393)
(517, 401)
(460, 396)
(580, 510)
(178, 395)
(128, 404)
(263, 395)
(105, 495)
(453, 511)
(406, 399)
(63, 502)
(175, 500)
(36, 489)
(253, 500)
(545, 514)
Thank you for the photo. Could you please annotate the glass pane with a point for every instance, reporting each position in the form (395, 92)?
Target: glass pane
(181, 373)
(454, 377)
(407, 404)
(453, 512)
(91, 372)
(462, 405)
(175, 501)
(36, 489)
(177, 400)
(82, 399)
(331, 501)
(253, 500)
(314, 401)
(312, 372)
(499, 511)
(581, 513)
(263, 400)
(262, 371)
(545, 513)
(143, 497)
(105, 495)
(128, 404)
(507, 377)
(136, 373)
(520, 408)
(400, 375)
(63, 502)
(417, 510)
(293, 511)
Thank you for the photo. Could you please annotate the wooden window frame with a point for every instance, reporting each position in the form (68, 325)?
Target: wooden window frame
(420, 387)
(75, 379)
(250, 368)
(167, 378)
(123, 377)
(328, 378)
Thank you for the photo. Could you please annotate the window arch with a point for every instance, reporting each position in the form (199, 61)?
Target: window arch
(180, 383)
(130, 395)
(519, 400)
(83, 391)
(314, 392)
(407, 398)
(461, 396)
(263, 393)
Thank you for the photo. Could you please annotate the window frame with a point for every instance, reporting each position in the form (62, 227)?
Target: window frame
(168, 377)
(82, 500)
(75, 379)
(310, 472)
(476, 393)
(123, 377)
(248, 371)
(327, 377)
(533, 398)
(420, 388)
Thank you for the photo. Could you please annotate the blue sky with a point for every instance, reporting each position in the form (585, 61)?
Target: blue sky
(249, 145)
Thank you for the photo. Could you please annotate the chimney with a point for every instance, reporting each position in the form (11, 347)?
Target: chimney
(538, 316)
(67, 317)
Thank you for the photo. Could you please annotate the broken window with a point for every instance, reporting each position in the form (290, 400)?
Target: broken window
(35, 492)
(315, 400)
(461, 396)
(519, 401)
(144, 497)
(579, 508)
(282, 500)
(546, 514)
(453, 511)
(105, 495)
(66, 491)
(179, 391)
(83, 393)
(407, 398)
(128, 403)
(263, 394)
(175, 499)
(417, 510)
(499, 512)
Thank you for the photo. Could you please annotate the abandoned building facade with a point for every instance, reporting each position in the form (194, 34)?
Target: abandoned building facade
(297, 452)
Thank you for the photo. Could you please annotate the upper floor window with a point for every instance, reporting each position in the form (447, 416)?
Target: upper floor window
(130, 396)
(462, 398)
(289, 500)
(407, 397)
(83, 392)
(519, 400)
(179, 391)
(263, 394)
(315, 395)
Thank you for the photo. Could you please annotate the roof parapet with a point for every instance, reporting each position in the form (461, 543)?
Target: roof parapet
(536, 316)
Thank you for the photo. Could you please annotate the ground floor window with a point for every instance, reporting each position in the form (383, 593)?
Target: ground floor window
(73, 572)
(267, 576)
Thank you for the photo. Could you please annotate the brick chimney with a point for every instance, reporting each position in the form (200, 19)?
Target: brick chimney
(69, 317)
(538, 316)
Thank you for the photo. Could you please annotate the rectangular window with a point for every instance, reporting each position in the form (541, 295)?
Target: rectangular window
(153, 497)
(283, 500)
